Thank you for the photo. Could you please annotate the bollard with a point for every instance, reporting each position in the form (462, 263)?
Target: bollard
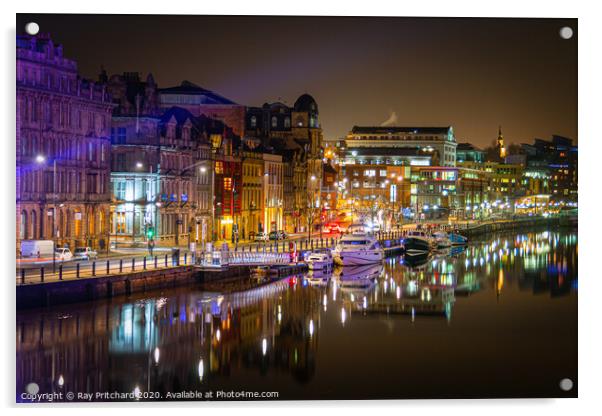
(22, 276)
(133, 263)
(120, 265)
(77, 270)
(108, 267)
(60, 272)
(144, 263)
(155, 262)
(42, 275)
(93, 268)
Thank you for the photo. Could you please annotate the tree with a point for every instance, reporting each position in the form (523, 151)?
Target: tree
(313, 211)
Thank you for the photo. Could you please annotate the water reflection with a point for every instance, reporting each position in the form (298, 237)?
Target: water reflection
(267, 337)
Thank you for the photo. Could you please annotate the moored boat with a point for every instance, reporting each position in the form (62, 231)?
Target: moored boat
(442, 239)
(417, 241)
(357, 249)
(457, 239)
(319, 260)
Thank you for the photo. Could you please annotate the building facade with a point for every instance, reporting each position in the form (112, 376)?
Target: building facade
(162, 171)
(387, 141)
(293, 132)
(63, 149)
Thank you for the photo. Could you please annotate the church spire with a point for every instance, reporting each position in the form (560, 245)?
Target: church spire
(500, 144)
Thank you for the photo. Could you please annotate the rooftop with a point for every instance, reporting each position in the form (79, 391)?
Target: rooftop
(398, 129)
(189, 88)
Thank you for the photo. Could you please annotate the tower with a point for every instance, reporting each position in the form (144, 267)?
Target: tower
(500, 144)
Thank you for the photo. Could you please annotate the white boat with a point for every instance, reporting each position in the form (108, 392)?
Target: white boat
(319, 260)
(442, 239)
(358, 249)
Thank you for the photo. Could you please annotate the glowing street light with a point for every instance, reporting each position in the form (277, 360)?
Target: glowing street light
(40, 159)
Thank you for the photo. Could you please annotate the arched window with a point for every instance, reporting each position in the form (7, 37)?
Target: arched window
(61, 228)
(23, 229)
(287, 122)
(274, 121)
(253, 121)
(34, 225)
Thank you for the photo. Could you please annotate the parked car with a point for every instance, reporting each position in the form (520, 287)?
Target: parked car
(63, 254)
(85, 253)
(282, 235)
(261, 236)
(274, 235)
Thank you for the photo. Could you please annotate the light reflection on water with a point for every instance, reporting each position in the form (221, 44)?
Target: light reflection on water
(301, 335)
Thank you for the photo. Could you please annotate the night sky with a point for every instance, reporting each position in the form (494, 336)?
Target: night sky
(474, 74)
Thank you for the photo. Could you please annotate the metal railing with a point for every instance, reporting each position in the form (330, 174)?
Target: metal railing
(101, 268)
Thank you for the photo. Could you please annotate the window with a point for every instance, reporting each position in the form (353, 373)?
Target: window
(253, 121)
(120, 223)
(383, 173)
(118, 135)
(287, 122)
(274, 122)
(120, 190)
(23, 228)
(370, 173)
(228, 184)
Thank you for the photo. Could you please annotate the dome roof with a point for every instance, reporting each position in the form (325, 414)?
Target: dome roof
(306, 103)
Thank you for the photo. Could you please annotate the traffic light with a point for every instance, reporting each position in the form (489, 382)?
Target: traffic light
(150, 233)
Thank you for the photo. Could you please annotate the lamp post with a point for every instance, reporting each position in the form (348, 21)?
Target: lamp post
(203, 171)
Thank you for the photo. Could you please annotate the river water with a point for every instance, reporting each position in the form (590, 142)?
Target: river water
(497, 319)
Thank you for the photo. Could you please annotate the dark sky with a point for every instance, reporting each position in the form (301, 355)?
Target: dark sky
(474, 74)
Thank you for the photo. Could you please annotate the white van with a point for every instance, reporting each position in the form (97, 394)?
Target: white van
(35, 248)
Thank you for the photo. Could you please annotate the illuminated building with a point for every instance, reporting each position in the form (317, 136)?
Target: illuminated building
(466, 152)
(63, 149)
(386, 142)
(329, 190)
(558, 157)
(435, 192)
(506, 181)
(500, 144)
(295, 134)
(161, 178)
(252, 188)
(273, 192)
(366, 188)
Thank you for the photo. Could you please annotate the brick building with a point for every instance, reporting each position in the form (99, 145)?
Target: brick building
(63, 148)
